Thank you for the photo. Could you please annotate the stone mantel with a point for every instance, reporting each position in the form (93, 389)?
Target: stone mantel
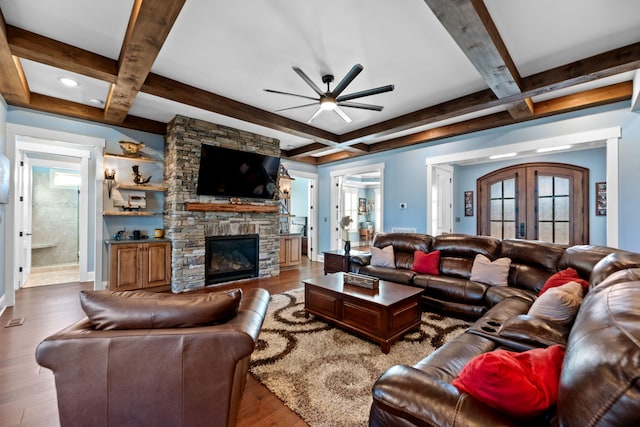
(229, 207)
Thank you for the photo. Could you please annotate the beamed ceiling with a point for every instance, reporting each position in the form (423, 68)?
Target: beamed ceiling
(457, 66)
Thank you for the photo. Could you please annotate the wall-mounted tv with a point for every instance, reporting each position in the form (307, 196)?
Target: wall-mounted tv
(233, 173)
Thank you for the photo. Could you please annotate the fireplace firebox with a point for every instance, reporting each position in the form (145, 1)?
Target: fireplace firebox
(230, 258)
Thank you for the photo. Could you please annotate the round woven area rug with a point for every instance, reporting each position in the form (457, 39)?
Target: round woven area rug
(325, 374)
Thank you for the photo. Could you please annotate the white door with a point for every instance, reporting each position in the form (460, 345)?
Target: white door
(443, 199)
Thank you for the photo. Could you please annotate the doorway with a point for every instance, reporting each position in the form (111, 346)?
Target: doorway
(538, 201)
(25, 143)
(357, 193)
(304, 199)
(53, 221)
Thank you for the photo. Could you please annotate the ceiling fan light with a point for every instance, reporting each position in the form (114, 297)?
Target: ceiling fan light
(327, 105)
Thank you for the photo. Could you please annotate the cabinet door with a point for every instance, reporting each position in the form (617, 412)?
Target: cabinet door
(156, 264)
(295, 250)
(283, 251)
(125, 272)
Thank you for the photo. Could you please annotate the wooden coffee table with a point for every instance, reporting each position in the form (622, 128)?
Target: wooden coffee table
(382, 315)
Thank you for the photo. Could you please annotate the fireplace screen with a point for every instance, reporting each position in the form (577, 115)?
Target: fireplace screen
(231, 258)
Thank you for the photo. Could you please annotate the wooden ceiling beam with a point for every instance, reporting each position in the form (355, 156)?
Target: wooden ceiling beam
(179, 92)
(49, 104)
(44, 50)
(587, 99)
(471, 26)
(149, 26)
(13, 84)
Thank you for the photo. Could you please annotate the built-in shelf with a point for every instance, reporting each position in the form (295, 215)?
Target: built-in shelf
(224, 207)
(129, 213)
(133, 158)
(141, 187)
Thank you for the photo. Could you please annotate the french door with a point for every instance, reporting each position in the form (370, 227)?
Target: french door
(538, 201)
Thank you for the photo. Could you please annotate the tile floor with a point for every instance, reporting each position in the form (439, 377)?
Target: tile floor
(52, 275)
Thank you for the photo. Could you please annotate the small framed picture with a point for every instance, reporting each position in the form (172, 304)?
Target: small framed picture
(362, 205)
(601, 198)
(468, 203)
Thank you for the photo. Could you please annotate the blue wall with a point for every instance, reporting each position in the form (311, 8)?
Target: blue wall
(405, 171)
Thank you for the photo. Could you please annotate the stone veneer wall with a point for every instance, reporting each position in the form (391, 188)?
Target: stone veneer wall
(187, 230)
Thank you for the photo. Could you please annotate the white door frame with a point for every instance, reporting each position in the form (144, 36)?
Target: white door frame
(22, 139)
(609, 136)
(439, 201)
(312, 210)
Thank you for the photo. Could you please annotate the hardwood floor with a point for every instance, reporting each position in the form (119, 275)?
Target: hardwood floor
(27, 391)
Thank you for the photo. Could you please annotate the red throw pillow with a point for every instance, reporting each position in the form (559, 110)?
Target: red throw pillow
(562, 277)
(521, 385)
(428, 263)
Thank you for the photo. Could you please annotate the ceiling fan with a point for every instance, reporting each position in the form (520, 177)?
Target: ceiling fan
(332, 100)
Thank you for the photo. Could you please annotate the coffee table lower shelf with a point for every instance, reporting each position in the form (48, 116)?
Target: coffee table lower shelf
(382, 315)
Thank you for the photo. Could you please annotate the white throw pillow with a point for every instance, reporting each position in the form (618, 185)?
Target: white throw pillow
(494, 273)
(559, 304)
(384, 257)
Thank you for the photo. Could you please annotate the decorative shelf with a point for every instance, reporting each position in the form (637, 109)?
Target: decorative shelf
(129, 213)
(133, 158)
(223, 207)
(143, 187)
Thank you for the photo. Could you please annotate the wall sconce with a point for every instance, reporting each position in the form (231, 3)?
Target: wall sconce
(110, 177)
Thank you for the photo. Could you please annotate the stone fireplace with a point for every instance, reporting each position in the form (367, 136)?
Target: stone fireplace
(189, 219)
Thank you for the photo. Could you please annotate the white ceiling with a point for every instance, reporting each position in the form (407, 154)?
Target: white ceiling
(237, 48)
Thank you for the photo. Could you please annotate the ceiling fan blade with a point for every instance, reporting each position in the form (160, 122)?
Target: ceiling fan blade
(360, 105)
(368, 92)
(308, 80)
(342, 114)
(352, 74)
(314, 115)
(290, 94)
(297, 106)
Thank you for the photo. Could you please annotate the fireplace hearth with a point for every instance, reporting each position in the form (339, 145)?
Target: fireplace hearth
(230, 258)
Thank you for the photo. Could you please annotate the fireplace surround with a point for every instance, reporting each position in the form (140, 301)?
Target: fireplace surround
(188, 229)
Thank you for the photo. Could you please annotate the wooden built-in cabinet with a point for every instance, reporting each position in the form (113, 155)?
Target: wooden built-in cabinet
(138, 265)
(290, 250)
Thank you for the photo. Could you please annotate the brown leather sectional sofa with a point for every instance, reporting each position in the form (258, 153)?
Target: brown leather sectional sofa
(599, 380)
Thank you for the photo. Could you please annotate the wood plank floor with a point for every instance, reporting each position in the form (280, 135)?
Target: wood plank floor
(27, 391)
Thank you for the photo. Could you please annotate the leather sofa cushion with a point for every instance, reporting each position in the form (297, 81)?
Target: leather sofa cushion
(404, 277)
(452, 289)
(532, 330)
(404, 245)
(108, 310)
(466, 246)
(495, 294)
(462, 309)
(583, 258)
(540, 254)
(613, 262)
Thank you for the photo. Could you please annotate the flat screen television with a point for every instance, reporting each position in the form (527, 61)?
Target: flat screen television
(233, 173)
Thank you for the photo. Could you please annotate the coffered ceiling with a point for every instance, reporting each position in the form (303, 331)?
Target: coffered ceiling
(457, 66)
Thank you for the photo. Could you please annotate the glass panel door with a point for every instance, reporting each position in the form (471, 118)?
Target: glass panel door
(540, 201)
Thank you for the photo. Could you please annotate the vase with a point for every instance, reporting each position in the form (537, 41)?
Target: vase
(347, 247)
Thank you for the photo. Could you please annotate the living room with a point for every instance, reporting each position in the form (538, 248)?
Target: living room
(598, 120)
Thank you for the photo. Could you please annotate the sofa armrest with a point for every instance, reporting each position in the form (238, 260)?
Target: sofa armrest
(407, 396)
(360, 260)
